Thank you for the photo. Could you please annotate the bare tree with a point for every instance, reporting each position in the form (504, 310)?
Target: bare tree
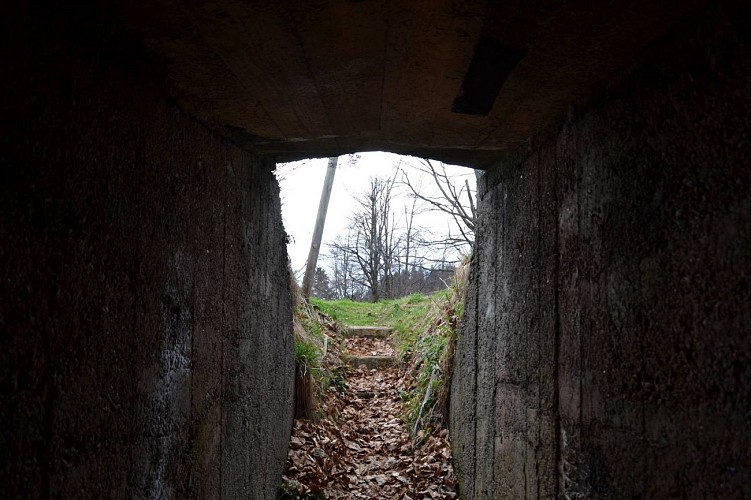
(403, 252)
(339, 262)
(385, 254)
(342, 264)
(370, 224)
(375, 241)
(456, 198)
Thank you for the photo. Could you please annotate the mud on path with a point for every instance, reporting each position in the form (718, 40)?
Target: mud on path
(360, 447)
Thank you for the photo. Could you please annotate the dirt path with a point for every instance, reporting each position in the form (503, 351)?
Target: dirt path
(360, 448)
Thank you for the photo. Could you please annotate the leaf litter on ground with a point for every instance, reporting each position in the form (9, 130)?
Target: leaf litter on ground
(364, 346)
(360, 447)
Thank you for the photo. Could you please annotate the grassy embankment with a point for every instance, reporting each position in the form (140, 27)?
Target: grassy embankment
(318, 367)
(425, 330)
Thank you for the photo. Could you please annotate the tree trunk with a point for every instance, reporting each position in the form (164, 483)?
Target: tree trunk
(315, 245)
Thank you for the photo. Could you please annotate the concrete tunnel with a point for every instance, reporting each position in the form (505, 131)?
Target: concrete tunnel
(145, 316)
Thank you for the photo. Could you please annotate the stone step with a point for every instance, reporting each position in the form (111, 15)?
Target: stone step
(371, 362)
(374, 332)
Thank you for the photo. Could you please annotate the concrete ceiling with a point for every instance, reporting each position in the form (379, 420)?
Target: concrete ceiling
(298, 79)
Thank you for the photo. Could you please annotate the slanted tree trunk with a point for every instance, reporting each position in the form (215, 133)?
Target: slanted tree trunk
(315, 245)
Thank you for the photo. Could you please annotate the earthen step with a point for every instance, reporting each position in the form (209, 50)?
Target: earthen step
(374, 332)
(371, 362)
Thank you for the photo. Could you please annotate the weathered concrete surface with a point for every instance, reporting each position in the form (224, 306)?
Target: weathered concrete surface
(606, 350)
(301, 79)
(373, 332)
(371, 362)
(145, 320)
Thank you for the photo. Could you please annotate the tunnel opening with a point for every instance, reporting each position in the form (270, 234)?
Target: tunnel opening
(434, 200)
(373, 369)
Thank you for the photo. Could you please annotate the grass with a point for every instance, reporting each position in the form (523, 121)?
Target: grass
(425, 329)
(310, 332)
(432, 356)
(406, 316)
(307, 355)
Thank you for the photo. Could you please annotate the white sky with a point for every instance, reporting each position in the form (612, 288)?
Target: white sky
(301, 183)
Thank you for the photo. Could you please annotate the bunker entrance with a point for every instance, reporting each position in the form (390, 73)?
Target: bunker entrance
(385, 266)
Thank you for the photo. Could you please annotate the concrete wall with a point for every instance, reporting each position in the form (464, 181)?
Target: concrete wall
(145, 320)
(606, 349)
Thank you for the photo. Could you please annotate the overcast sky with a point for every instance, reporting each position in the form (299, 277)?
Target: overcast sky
(301, 183)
